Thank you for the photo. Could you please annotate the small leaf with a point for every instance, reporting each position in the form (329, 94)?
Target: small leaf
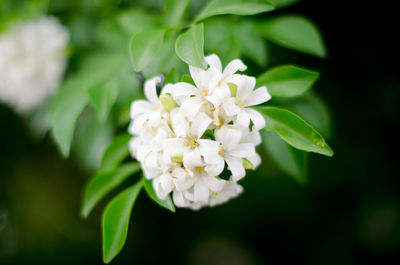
(116, 221)
(175, 11)
(189, 46)
(289, 159)
(295, 32)
(283, 3)
(103, 97)
(115, 152)
(294, 130)
(168, 102)
(287, 81)
(234, 7)
(167, 203)
(252, 45)
(103, 183)
(187, 79)
(144, 46)
(247, 164)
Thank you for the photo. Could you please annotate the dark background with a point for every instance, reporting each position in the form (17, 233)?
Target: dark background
(347, 213)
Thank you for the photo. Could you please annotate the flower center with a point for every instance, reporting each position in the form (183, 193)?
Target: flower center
(199, 169)
(192, 143)
(221, 152)
(239, 103)
(204, 93)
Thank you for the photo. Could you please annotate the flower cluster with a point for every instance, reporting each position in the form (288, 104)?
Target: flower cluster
(184, 137)
(32, 62)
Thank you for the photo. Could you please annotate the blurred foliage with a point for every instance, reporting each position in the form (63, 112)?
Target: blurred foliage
(347, 213)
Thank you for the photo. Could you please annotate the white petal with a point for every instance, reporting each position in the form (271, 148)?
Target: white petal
(209, 150)
(184, 89)
(255, 160)
(179, 200)
(167, 89)
(243, 119)
(258, 96)
(140, 106)
(200, 125)
(235, 165)
(214, 184)
(181, 179)
(174, 146)
(256, 118)
(243, 150)
(201, 192)
(228, 137)
(150, 89)
(179, 124)
(233, 67)
(214, 61)
(216, 168)
(252, 137)
(192, 159)
(230, 107)
(194, 72)
(245, 88)
(191, 107)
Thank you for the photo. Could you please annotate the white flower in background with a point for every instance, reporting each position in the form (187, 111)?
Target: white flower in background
(32, 62)
(184, 138)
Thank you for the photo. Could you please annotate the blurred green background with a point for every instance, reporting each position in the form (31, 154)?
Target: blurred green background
(347, 213)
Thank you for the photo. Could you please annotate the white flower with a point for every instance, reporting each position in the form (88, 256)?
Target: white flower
(184, 138)
(32, 62)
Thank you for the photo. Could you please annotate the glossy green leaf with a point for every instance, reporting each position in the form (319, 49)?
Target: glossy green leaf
(167, 203)
(252, 45)
(294, 130)
(115, 152)
(116, 221)
(189, 46)
(91, 139)
(287, 80)
(103, 97)
(144, 46)
(175, 12)
(234, 7)
(103, 183)
(72, 98)
(283, 3)
(65, 110)
(290, 160)
(294, 32)
(311, 108)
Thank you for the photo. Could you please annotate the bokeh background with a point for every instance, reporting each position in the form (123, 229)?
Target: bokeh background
(347, 213)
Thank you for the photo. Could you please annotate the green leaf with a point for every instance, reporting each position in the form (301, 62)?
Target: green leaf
(252, 45)
(115, 152)
(116, 221)
(91, 139)
(144, 46)
(103, 97)
(103, 183)
(65, 110)
(72, 98)
(287, 81)
(175, 11)
(290, 160)
(227, 49)
(189, 46)
(283, 3)
(234, 7)
(294, 130)
(294, 32)
(167, 203)
(310, 108)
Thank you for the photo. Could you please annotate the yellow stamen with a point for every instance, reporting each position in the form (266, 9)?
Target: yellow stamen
(199, 169)
(192, 143)
(204, 93)
(221, 152)
(239, 103)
